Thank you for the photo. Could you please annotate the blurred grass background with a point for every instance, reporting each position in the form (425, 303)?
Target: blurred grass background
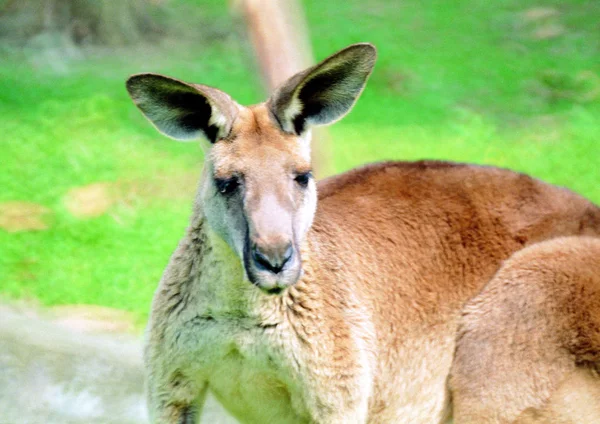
(514, 83)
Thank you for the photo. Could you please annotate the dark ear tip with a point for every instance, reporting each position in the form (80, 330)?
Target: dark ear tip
(147, 79)
(363, 52)
(364, 48)
(365, 45)
(134, 82)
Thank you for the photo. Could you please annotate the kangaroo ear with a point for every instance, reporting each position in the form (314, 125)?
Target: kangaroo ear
(324, 93)
(180, 110)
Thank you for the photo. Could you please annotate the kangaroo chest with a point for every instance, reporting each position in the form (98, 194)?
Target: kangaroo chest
(245, 365)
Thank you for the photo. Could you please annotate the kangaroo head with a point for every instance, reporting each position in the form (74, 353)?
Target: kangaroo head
(257, 192)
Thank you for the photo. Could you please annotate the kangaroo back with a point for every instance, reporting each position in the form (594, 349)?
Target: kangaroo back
(528, 347)
(413, 242)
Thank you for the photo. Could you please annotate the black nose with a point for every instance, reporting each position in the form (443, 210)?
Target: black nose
(272, 259)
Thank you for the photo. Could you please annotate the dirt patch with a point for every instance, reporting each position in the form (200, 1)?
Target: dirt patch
(23, 216)
(543, 23)
(93, 319)
(549, 31)
(89, 201)
(159, 187)
(81, 318)
(536, 14)
(96, 199)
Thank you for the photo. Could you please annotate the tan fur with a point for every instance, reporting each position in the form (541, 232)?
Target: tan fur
(367, 334)
(363, 330)
(528, 347)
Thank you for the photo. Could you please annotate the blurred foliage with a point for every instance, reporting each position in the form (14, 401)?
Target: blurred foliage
(511, 83)
(101, 22)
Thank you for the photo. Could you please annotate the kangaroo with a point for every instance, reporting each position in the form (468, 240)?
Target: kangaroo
(528, 348)
(342, 313)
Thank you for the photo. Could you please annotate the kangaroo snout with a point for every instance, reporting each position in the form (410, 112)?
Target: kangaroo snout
(272, 263)
(272, 258)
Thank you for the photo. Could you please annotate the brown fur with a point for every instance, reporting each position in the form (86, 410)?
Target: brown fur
(400, 247)
(363, 328)
(528, 347)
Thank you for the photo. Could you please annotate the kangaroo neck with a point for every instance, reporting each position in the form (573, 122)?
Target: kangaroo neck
(219, 284)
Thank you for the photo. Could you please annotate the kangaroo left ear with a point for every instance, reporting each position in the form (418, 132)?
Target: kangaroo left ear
(181, 110)
(324, 93)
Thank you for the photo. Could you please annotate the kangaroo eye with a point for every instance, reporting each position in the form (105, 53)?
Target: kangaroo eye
(303, 179)
(227, 186)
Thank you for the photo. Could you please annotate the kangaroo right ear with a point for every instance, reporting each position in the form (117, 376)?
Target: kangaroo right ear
(324, 93)
(180, 110)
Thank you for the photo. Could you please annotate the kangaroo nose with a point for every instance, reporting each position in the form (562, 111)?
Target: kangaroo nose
(272, 259)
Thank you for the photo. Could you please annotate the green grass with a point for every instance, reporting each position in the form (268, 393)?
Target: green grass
(466, 81)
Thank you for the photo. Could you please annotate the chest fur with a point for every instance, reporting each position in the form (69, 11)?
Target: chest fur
(246, 365)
